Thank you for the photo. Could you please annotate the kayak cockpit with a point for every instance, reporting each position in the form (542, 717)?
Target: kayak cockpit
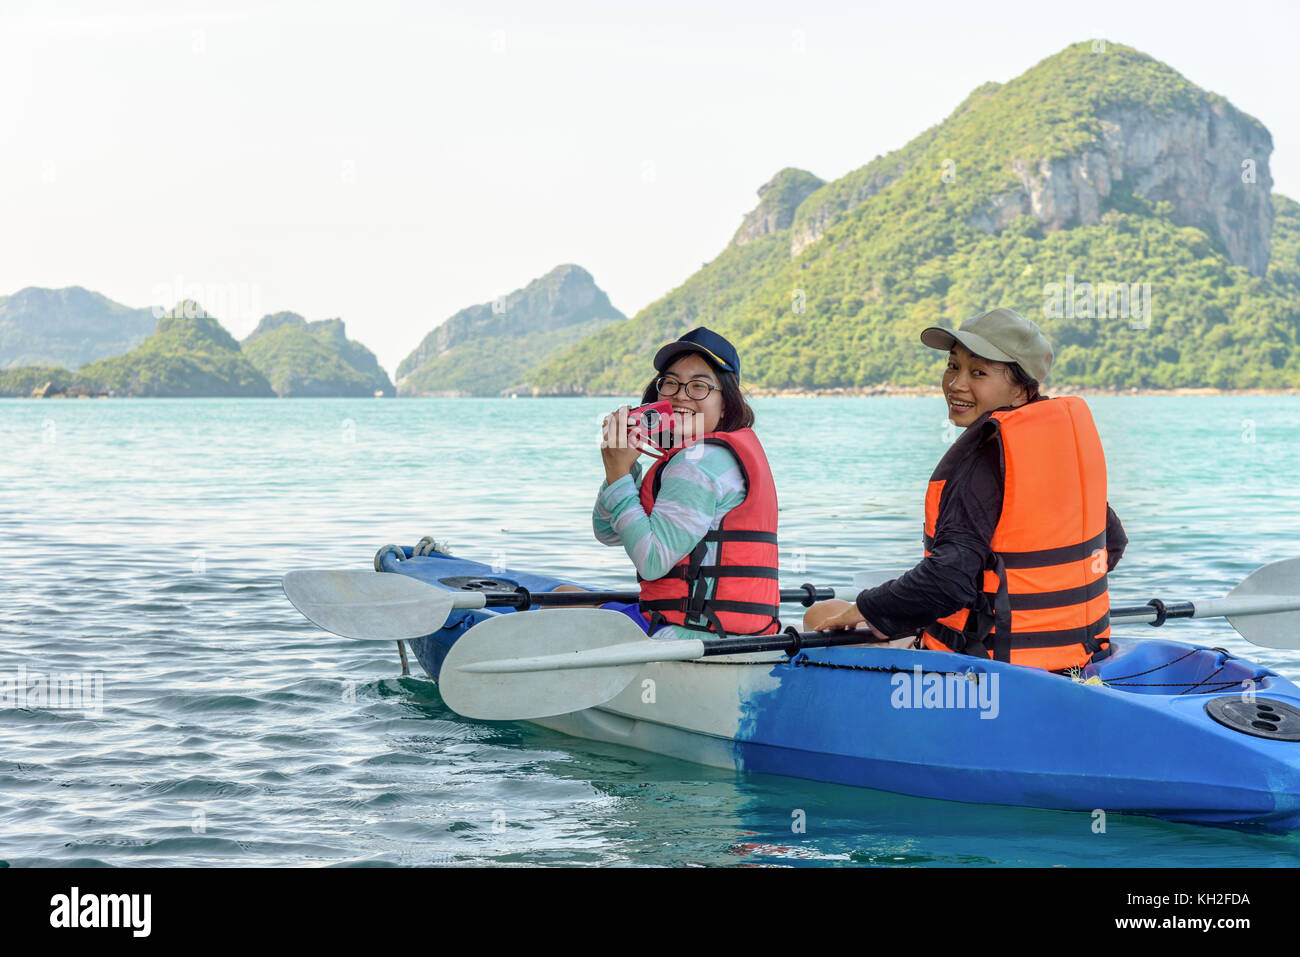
(1159, 667)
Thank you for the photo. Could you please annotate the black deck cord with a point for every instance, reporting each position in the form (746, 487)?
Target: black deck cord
(1187, 686)
(1139, 674)
(796, 646)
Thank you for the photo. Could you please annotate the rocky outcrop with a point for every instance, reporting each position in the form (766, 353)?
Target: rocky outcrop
(274, 321)
(1210, 165)
(189, 354)
(314, 359)
(778, 199)
(836, 198)
(493, 348)
(565, 296)
(840, 197)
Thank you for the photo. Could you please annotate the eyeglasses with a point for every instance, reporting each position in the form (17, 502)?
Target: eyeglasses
(696, 389)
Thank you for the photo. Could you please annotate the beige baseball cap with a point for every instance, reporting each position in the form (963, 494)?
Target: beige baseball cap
(1002, 335)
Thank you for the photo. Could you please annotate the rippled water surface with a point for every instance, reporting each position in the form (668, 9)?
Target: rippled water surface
(142, 542)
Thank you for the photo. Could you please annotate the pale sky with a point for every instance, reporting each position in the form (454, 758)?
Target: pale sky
(391, 163)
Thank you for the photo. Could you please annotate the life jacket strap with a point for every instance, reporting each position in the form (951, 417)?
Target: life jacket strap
(727, 535)
(739, 571)
(721, 604)
(1058, 599)
(1044, 557)
(1056, 556)
(720, 571)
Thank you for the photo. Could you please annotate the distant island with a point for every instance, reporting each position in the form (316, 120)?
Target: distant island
(482, 350)
(187, 353)
(494, 348)
(66, 328)
(301, 358)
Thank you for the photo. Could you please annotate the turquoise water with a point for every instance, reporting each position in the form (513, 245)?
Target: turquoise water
(142, 542)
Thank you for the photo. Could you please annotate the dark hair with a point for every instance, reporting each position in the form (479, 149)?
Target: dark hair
(736, 413)
(1022, 378)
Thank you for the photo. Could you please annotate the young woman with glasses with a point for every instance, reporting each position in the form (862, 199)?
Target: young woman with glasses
(700, 525)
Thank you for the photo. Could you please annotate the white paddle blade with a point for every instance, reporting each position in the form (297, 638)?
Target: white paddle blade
(1276, 585)
(474, 680)
(379, 606)
(874, 577)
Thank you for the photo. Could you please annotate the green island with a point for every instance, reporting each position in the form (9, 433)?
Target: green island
(1100, 172)
(527, 328)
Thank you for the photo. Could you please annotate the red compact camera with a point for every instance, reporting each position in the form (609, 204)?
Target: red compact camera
(653, 420)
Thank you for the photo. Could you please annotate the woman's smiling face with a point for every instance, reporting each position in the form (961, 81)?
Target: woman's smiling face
(973, 386)
(689, 367)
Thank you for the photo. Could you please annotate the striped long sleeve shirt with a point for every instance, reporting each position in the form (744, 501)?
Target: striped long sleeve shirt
(697, 490)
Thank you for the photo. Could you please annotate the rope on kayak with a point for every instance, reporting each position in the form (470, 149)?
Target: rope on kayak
(805, 662)
(1139, 674)
(1207, 686)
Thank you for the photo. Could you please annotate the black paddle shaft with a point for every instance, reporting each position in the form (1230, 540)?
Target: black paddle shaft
(522, 598)
(791, 641)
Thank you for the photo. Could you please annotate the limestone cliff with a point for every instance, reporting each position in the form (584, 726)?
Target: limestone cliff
(1209, 163)
(492, 348)
(778, 199)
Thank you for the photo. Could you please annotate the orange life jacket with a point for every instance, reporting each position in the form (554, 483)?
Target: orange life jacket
(1044, 597)
(746, 597)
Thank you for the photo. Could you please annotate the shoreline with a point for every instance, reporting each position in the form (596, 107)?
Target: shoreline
(933, 391)
(753, 393)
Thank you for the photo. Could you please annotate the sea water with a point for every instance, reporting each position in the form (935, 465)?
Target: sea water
(168, 706)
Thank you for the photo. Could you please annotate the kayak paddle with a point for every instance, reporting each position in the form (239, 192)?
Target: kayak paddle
(373, 606)
(384, 607)
(510, 668)
(513, 667)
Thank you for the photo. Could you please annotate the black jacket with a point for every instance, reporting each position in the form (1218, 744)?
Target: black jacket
(952, 575)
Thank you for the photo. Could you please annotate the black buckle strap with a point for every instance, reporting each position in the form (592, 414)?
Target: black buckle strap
(728, 535)
(1001, 613)
(744, 607)
(1058, 599)
(1055, 556)
(739, 571)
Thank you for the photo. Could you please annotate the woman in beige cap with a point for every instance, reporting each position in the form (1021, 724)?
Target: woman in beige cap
(1018, 533)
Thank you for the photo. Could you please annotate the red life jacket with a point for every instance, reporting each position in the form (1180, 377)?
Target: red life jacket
(1044, 598)
(746, 595)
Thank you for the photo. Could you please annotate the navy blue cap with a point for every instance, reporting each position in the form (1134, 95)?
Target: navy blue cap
(708, 344)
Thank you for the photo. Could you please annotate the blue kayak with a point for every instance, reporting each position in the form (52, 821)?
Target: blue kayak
(1179, 731)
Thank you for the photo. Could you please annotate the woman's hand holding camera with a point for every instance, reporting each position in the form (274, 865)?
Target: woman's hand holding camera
(620, 444)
